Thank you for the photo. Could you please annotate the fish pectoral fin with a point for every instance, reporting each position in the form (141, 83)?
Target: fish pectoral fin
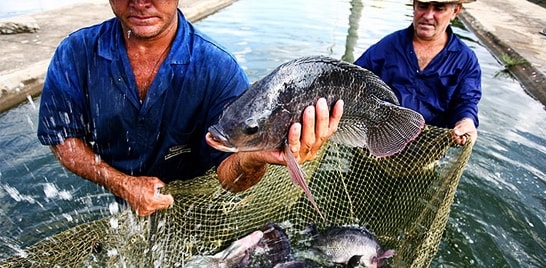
(387, 254)
(224, 254)
(298, 178)
(391, 135)
(351, 132)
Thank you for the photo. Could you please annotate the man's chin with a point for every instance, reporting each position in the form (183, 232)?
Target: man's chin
(425, 33)
(143, 32)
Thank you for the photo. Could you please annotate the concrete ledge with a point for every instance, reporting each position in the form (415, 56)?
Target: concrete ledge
(32, 88)
(531, 78)
(199, 9)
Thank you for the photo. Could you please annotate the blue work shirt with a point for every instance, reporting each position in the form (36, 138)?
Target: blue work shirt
(446, 91)
(90, 93)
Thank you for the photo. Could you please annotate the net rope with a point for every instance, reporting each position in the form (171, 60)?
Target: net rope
(404, 200)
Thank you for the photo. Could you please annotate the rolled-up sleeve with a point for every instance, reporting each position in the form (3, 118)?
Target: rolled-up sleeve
(61, 113)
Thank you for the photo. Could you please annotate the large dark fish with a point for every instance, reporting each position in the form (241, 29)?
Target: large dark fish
(259, 119)
(351, 246)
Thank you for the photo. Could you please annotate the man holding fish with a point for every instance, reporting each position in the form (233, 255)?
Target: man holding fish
(127, 103)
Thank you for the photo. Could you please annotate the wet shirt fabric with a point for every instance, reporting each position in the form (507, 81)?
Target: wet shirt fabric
(90, 93)
(446, 91)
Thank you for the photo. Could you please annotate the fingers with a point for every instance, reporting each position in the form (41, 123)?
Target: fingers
(459, 139)
(322, 123)
(145, 197)
(308, 133)
(153, 204)
(336, 116)
(463, 139)
(463, 130)
(294, 135)
(318, 125)
(322, 127)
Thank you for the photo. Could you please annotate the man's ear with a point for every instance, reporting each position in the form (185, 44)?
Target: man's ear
(457, 10)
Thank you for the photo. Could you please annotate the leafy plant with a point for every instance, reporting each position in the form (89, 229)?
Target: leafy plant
(510, 61)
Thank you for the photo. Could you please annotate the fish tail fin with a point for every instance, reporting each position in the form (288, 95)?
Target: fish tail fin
(298, 178)
(401, 126)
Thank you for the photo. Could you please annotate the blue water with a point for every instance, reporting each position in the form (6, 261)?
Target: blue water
(498, 216)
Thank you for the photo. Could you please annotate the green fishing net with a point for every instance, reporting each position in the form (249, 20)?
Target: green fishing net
(404, 200)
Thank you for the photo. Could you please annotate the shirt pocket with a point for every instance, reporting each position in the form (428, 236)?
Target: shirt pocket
(179, 142)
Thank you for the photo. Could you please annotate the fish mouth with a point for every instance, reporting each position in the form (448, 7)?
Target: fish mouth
(219, 141)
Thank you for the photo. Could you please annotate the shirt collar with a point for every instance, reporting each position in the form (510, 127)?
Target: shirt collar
(110, 40)
(451, 44)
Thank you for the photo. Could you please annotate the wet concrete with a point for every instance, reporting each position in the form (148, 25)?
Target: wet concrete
(509, 27)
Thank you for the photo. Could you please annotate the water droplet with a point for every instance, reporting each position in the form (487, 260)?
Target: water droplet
(113, 208)
(29, 98)
(114, 223)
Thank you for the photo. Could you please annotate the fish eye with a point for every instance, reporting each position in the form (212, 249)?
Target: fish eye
(356, 261)
(250, 126)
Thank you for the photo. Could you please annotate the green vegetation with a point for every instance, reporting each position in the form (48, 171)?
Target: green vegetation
(510, 61)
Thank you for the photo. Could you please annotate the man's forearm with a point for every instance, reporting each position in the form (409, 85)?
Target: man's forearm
(76, 156)
(236, 174)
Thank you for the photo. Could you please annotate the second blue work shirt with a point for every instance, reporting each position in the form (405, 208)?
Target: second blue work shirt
(90, 93)
(446, 91)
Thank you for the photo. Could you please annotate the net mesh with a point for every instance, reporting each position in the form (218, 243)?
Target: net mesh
(404, 200)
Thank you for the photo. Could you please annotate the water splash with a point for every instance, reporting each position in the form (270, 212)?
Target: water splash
(17, 196)
(52, 192)
(31, 101)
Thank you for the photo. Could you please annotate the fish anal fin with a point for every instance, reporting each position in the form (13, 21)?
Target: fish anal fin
(296, 174)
